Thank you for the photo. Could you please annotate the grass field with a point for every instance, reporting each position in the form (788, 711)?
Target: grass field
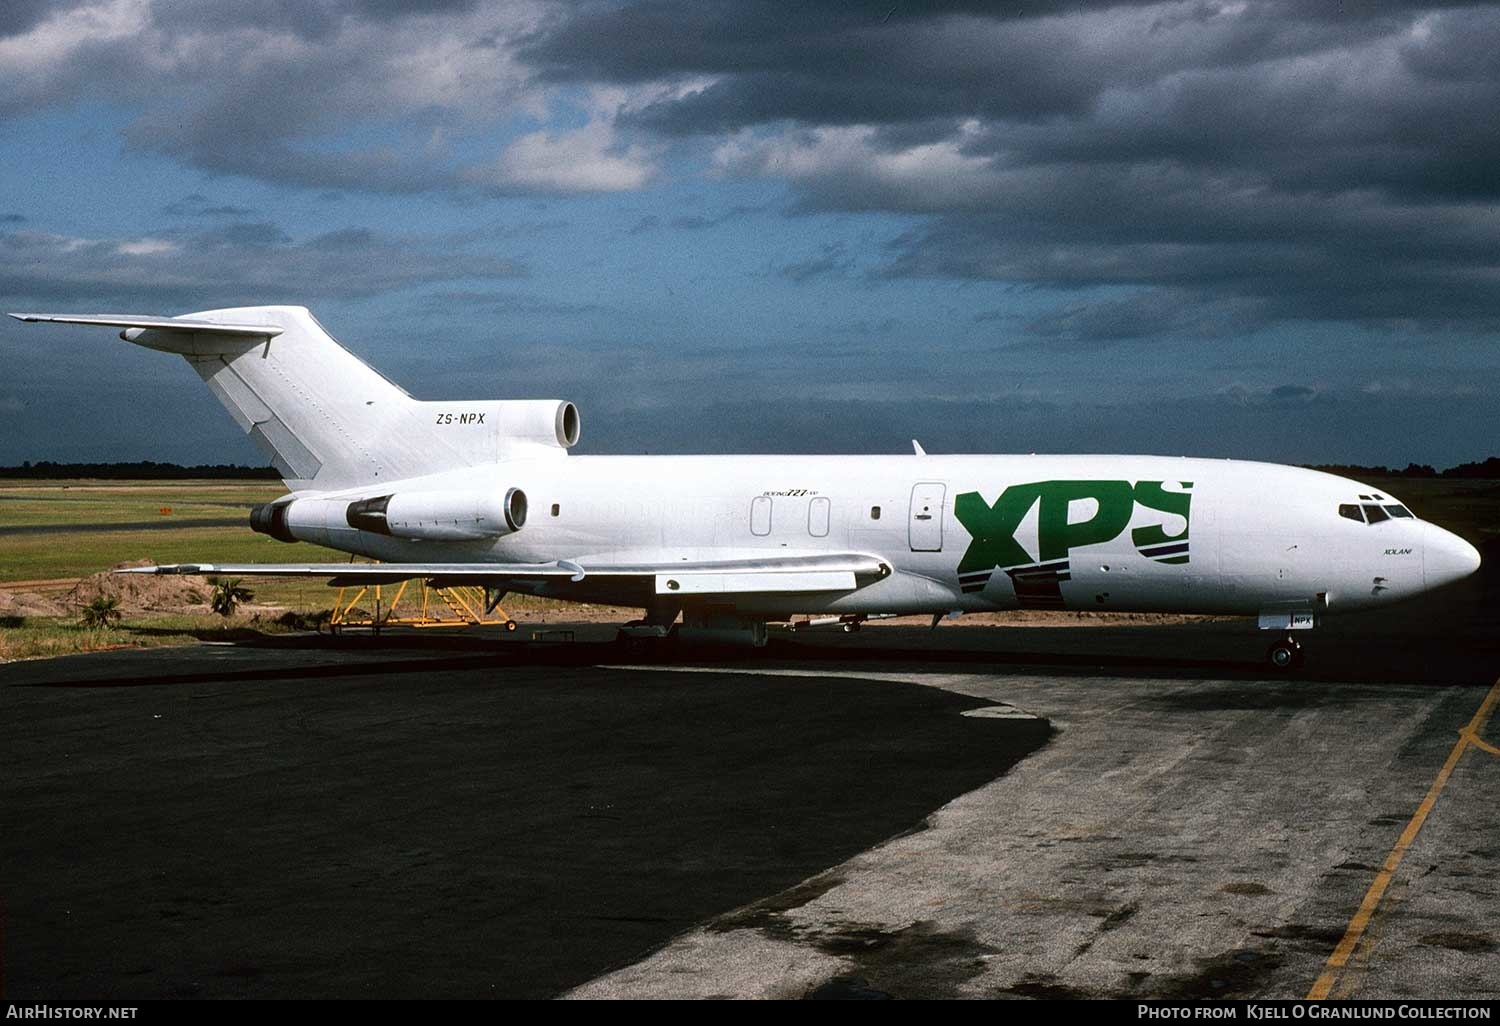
(85, 503)
(92, 526)
(80, 508)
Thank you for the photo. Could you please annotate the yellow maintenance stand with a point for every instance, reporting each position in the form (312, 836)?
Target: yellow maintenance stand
(465, 606)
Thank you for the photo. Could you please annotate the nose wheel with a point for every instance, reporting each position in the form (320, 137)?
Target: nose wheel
(1285, 654)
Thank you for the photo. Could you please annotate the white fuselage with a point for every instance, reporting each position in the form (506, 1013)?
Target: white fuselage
(971, 533)
(485, 492)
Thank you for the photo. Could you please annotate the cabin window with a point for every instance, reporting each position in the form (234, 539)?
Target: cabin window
(874, 512)
(556, 509)
(1376, 514)
(817, 517)
(1349, 511)
(760, 515)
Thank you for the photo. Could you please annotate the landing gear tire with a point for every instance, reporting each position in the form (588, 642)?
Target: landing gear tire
(1285, 654)
(511, 625)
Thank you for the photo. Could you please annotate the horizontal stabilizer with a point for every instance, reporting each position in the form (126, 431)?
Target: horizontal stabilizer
(834, 572)
(154, 323)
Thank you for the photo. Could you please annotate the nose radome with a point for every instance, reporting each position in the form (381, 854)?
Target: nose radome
(1446, 557)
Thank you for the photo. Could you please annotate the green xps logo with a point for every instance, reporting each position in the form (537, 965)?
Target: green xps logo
(1069, 514)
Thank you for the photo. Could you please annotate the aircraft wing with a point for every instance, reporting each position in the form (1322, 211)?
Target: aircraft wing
(154, 323)
(770, 574)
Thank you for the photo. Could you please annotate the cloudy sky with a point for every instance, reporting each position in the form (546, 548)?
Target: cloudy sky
(1265, 230)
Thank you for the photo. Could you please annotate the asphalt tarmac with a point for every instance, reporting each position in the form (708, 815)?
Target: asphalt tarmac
(379, 819)
(1110, 812)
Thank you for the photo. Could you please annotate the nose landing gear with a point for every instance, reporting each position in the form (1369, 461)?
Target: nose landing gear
(1285, 654)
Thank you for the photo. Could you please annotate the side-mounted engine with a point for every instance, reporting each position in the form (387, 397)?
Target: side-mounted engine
(444, 516)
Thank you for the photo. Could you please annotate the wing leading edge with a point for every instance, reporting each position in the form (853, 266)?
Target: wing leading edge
(770, 575)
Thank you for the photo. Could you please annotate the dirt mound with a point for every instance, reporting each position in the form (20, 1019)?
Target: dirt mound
(140, 592)
(31, 603)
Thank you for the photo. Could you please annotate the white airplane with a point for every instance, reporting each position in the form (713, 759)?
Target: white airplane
(484, 492)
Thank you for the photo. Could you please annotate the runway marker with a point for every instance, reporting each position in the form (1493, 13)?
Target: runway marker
(1469, 735)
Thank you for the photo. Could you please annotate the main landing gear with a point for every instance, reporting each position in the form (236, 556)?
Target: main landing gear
(1285, 654)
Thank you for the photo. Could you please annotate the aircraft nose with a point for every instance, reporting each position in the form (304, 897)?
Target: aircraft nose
(1446, 557)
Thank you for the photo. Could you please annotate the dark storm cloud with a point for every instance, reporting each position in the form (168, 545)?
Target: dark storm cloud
(1215, 168)
(198, 205)
(1146, 314)
(831, 261)
(17, 16)
(245, 233)
(270, 88)
(883, 63)
(315, 20)
(237, 263)
(255, 130)
(1188, 168)
(1293, 394)
(696, 222)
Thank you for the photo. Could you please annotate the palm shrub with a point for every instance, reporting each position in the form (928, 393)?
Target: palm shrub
(100, 613)
(227, 595)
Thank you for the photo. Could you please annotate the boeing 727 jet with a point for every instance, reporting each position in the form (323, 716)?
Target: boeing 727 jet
(486, 493)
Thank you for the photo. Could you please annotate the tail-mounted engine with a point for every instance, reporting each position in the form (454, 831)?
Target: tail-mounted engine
(482, 432)
(449, 516)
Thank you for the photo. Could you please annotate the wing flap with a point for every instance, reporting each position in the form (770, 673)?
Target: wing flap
(775, 574)
(756, 582)
(364, 573)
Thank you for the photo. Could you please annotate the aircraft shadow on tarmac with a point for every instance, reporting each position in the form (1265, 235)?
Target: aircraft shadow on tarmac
(1447, 637)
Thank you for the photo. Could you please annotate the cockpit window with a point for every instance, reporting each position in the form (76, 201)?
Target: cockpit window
(1372, 513)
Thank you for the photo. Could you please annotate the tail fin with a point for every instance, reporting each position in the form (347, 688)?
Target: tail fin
(323, 417)
(327, 420)
(317, 410)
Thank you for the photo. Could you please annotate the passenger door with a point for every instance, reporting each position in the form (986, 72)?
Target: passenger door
(925, 526)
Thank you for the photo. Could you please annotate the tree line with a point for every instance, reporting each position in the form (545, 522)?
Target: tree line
(1488, 469)
(141, 469)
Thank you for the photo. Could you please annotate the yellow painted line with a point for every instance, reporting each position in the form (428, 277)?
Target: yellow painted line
(1478, 743)
(1469, 735)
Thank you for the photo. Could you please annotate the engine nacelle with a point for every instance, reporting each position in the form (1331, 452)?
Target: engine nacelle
(449, 516)
(542, 421)
(440, 516)
(498, 429)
